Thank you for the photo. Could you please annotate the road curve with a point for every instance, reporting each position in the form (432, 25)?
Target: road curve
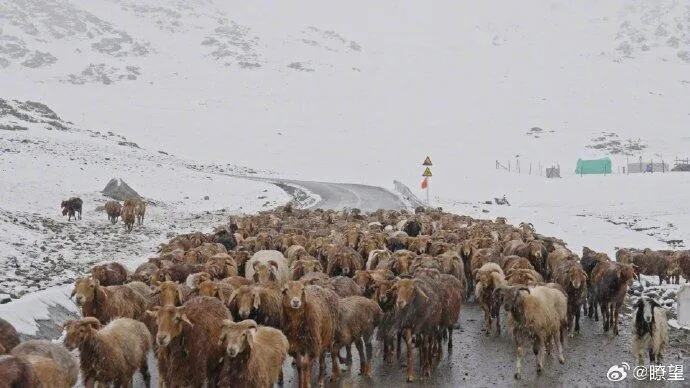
(337, 196)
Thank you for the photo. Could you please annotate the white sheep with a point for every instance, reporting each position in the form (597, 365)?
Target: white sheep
(268, 265)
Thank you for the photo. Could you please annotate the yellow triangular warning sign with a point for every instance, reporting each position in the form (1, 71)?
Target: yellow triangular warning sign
(427, 172)
(427, 162)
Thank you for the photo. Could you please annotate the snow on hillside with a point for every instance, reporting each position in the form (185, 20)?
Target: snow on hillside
(46, 159)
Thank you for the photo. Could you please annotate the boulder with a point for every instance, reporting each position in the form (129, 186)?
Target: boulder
(118, 190)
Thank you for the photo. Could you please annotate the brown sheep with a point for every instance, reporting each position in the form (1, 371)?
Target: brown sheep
(302, 267)
(9, 338)
(378, 258)
(17, 372)
(557, 256)
(236, 281)
(110, 354)
(524, 277)
(110, 274)
(128, 216)
(487, 279)
(515, 262)
(215, 289)
(55, 360)
(107, 303)
(254, 355)
(674, 270)
(261, 304)
(143, 273)
(536, 314)
(178, 272)
(359, 317)
(221, 265)
(611, 281)
(452, 293)
(71, 208)
(294, 253)
(418, 313)
(684, 263)
(401, 262)
(188, 350)
(536, 253)
(171, 293)
(113, 209)
(344, 286)
(367, 279)
(310, 320)
(345, 261)
(570, 275)
(139, 208)
(589, 261)
(651, 263)
(384, 295)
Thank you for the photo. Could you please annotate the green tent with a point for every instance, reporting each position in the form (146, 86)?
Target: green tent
(593, 166)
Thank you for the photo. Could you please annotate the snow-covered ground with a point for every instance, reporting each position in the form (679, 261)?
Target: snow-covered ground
(49, 160)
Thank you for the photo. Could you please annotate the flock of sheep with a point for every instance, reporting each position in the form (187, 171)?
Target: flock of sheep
(134, 210)
(227, 308)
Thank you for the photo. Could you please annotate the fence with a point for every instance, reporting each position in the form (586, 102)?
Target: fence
(530, 168)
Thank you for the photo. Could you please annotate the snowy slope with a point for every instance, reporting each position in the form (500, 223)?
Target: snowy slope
(46, 159)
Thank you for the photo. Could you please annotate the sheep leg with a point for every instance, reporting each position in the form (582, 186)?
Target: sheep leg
(334, 362)
(144, 369)
(540, 347)
(559, 348)
(322, 369)
(450, 338)
(359, 344)
(410, 356)
(368, 347)
(577, 320)
(281, 379)
(604, 317)
(615, 318)
(397, 349)
(518, 361)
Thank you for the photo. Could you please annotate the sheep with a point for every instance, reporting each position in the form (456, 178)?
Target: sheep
(171, 293)
(452, 293)
(570, 275)
(216, 289)
(139, 207)
(418, 312)
(178, 272)
(110, 354)
(652, 263)
(400, 262)
(412, 227)
(537, 314)
(113, 209)
(557, 256)
(310, 320)
(254, 355)
(107, 303)
(590, 259)
(17, 372)
(526, 277)
(674, 270)
(225, 238)
(303, 266)
(72, 206)
(187, 337)
(536, 253)
(143, 272)
(128, 216)
(261, 304)
(273, 267)
(344, 261)
(367, 279)
(650, 331)
(236, 281)
(9, 338)
(611, 280)
(378, 257)
(487, 279)
(294, 253)
(359, 317)
(54, 365)
(221, 265)
(110, 274)
(344, 286)
(515, 262)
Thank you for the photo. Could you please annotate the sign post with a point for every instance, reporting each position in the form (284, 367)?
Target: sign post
(427, 177)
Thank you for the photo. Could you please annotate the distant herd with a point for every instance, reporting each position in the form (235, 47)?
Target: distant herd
(227, 308)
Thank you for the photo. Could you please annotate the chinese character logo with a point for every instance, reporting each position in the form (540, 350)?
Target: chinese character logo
(618, 372)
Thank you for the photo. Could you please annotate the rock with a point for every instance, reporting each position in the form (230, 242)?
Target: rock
(5, 298)
(119, 190)
(206, 197)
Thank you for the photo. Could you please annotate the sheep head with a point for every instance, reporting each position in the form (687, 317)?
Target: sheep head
(294, 295)
(406, 289)
(170, 321)
(208, 288)
(237, 337)
(246, 299)
(265, 273)
(78, 331)
(85, 290)
(169, 293)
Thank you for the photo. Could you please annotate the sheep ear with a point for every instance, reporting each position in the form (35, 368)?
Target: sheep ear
(221, 339)
(152, 313)
(257, 299)
(255, 264)
(74, 292)
(180, 296)
(96, 282)
(232, 297)
(93, 322)
(273, 263)
(422, 293)
(250, 337)
(654, 303)
(639, 303)
(168, 278)
(186, 320)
